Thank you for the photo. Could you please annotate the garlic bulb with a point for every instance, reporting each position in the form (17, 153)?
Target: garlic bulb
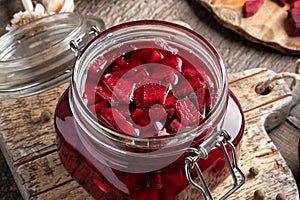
(44, 8)
(55, 6)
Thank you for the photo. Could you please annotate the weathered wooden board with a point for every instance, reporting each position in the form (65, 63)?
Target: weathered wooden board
(267, 26)
(29, 144)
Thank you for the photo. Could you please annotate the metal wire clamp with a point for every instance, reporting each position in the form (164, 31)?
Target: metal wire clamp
(219, 138)
(75, 45)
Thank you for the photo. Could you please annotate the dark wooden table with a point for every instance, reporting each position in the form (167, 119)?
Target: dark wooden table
(238, 53)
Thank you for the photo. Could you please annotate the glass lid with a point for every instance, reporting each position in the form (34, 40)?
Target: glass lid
(36, 56)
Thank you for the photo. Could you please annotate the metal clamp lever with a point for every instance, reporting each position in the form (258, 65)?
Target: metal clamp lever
(222, 137)
(75, 44)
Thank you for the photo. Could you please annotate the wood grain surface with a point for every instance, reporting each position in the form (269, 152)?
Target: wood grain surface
(238, 53)
(30, 148)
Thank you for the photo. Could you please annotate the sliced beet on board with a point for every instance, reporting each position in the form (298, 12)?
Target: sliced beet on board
(251, 7)
(294, 18)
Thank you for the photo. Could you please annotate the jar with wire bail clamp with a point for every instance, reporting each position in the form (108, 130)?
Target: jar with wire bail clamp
(149, 115)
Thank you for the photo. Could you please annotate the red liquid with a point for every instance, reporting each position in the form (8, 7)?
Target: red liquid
(103, 182)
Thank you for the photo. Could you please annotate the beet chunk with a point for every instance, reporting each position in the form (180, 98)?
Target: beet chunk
(140, 117)
(294, 21)
(175, 127)
(150, 94)
(188, 113)
(113, 118)
(295, 4)
(251, 7)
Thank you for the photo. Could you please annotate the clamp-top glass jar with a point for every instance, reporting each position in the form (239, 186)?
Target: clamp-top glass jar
(36, 56)
(148, 114)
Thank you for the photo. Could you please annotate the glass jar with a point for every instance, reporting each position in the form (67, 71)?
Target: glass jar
(115, 163)
(36, 56)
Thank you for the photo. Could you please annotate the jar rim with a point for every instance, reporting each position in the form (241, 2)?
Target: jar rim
(215, 111)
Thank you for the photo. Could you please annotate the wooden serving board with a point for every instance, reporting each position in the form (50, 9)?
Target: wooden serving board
(267, 26)
(29, 147)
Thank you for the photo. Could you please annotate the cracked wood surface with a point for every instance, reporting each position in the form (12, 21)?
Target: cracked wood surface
(26, 148)
(30, 145)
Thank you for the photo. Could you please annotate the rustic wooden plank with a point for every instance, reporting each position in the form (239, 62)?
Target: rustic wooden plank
(237, 52)
(261, 112)
(70, 190)
(43, 174)
(28, 137)
(44, 177)
(256, 105)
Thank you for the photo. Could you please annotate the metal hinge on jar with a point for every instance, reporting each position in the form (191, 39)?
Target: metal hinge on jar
(76, 46)
(219, 138)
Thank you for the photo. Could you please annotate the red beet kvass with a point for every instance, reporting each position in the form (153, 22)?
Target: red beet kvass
(144, 95)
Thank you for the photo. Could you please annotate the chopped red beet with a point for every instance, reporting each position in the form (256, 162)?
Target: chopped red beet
(134, 62)
(156, 57)
(251, 7)
(110, 81)
(189, 70)
(101, 185)
(113, 118)
(156, 181)
(142, 54)
(175, 127)
(119, 72)
(294, 21)
(151, 94)
(140, 117)
(182, 89)
(97, 107)
(132, 87)
(135, 181)
(295, 4)
(148, 55)
(123, 91)
(170, 100)
(198, 98)
(170, 112)
(164, 76)
(157, 113)
(174, 62)
(196, 83)
(122, 63)
(103, 91)
(90, 94)
(188, 113)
